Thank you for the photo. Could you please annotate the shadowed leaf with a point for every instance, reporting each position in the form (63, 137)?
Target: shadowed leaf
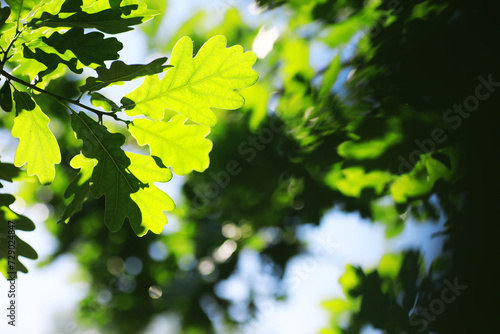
(88, 48)
(119, 72)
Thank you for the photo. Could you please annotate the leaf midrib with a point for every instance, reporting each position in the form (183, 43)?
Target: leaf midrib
(105, 150)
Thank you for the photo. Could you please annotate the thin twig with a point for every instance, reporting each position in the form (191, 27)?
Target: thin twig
(62, 98)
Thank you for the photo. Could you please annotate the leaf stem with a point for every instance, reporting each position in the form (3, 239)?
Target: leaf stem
(62, 98)
(6, 52)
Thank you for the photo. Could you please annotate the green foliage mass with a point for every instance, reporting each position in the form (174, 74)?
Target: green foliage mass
(40, 39)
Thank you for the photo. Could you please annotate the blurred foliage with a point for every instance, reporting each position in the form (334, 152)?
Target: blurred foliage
(374, 129)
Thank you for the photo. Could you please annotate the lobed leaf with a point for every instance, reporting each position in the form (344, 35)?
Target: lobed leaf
(151, 201)
(193, 86)
(23, 101)
(8, 172)
(22, 248)
(109, 21)
(183, 147)
(88, 48)
(99, 100)
(126, 179)
(20, 8)
(51, 61)
(119, 72)
(80, 186)
(4, 15)
(38, 147)
(6, 97)
(106, 16)
(111, 176)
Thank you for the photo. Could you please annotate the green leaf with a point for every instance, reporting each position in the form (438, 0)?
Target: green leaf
(193, 86)
(151, 201)
(22, 248)
(88, 48)
(126, 179)
(120, 72)
(38, 147)
(8, 171)
(341, 33)
(80, 186)
(99, 100)
(71, 6)
(111, 176)
(20, 8)
(106, 16)
(47, 6)
(51, 61)
(352, 180)
(109, 21)
(23, 101)
(6, 97)
(421, 179)
(183, 147)
(4, 15)
(330, 77)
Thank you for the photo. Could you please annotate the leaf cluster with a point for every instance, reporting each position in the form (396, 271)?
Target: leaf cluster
(40, 41)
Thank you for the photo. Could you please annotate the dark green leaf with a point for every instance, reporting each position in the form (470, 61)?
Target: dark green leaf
(6, 97)
(4, 15)
(21, 223)
(51, 60)
(109, 21)
(126, 179)
(110, 176)
(80, 186)
(23, 101)
(99, 100)
(21, 8)
(88, 48)
(71, 6)
(8, 171)
(119, 72)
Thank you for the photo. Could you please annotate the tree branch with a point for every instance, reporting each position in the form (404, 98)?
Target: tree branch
(61, 98)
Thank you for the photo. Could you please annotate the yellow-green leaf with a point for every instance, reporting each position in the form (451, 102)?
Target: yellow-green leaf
(183, 147)
(38, 147)
(151, 201)
(193, 86)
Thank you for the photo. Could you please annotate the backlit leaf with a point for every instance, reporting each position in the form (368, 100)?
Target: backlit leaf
(38, 147)
(20, 8)
(151, 201)
(183, 147)
(193, 86)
